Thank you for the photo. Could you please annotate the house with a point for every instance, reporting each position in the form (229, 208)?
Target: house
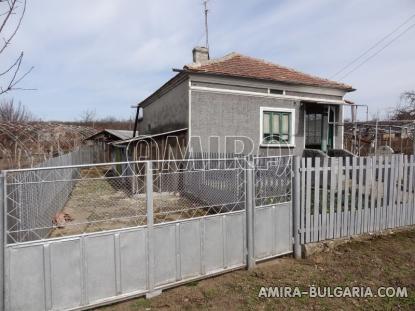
(104, 139)
(240, 104)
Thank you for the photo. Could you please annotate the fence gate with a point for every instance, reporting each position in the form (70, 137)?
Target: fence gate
(80, 236)
(273, 207)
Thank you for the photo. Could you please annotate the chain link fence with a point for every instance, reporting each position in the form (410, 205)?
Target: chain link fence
(52, 202)
(70, 199)
(197, 187)
(273, 176)
(34, 196)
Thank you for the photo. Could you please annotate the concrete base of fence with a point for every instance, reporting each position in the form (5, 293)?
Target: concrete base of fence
(154, 293)
(311, 249)
(308, 250)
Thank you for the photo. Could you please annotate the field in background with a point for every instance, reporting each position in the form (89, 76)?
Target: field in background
(27, 144)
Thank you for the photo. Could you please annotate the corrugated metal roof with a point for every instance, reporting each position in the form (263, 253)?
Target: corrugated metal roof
(119, 134)
(140, 137)
(122, 134)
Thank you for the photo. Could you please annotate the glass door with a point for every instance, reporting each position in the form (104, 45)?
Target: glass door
(319, 127)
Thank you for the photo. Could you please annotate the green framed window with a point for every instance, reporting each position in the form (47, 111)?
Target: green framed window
(276, 127)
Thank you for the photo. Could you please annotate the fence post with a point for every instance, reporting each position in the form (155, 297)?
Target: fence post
(250, 206)
(296, 206)
(150, 232)
(2, 241)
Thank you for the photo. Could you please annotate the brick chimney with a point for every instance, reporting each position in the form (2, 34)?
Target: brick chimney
(200, 55)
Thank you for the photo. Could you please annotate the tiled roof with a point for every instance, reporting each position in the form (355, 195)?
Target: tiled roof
(237, 65)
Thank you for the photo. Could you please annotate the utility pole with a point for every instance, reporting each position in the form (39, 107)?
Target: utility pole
(376, 136)
(206, 24)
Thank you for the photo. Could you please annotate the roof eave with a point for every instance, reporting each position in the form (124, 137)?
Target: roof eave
(346, 88)
(181, 75)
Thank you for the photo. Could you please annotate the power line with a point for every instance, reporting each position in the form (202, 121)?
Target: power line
(373, 55)
(373, 46)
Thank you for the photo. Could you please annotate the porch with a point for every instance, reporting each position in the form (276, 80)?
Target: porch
(323, 130)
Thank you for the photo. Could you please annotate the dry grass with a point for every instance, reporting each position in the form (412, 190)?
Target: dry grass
(380, 261)
(98, 204)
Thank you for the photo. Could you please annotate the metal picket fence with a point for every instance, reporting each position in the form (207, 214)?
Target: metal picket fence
(341, 197)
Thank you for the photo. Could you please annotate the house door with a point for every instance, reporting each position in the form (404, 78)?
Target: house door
(319, 127)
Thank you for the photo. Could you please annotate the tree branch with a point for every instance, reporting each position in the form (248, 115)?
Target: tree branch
(15, 67)
(9, 13)
(7, 41)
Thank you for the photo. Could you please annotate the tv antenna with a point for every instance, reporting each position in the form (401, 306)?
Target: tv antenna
(206, 24)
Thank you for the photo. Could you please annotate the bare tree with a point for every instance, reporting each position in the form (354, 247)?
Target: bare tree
(11, 16)
(88, 117)
(405, 110)
(105, 123)
(10, 112)
(409, 97)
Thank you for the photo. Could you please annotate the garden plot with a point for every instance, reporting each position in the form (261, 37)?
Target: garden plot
(99, 204)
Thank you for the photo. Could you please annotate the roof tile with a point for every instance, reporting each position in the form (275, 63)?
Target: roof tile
(238, 65)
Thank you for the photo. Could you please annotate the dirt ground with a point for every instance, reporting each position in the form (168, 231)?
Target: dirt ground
(104, 204)
(380, 261)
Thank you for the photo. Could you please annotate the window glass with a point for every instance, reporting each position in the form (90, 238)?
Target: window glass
(266, 127)
(285, 123)
(285, 138)
(275, 123)
(275, 91)
(276, 127)
(266, 124)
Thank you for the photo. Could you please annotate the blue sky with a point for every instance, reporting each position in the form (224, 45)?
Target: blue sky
(107, 55)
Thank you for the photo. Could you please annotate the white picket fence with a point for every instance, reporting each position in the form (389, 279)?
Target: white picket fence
(341, 197)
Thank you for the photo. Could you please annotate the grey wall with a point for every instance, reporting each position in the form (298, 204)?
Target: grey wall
(168, 112)
(221, 115)
(215, 114)
(313, 95)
